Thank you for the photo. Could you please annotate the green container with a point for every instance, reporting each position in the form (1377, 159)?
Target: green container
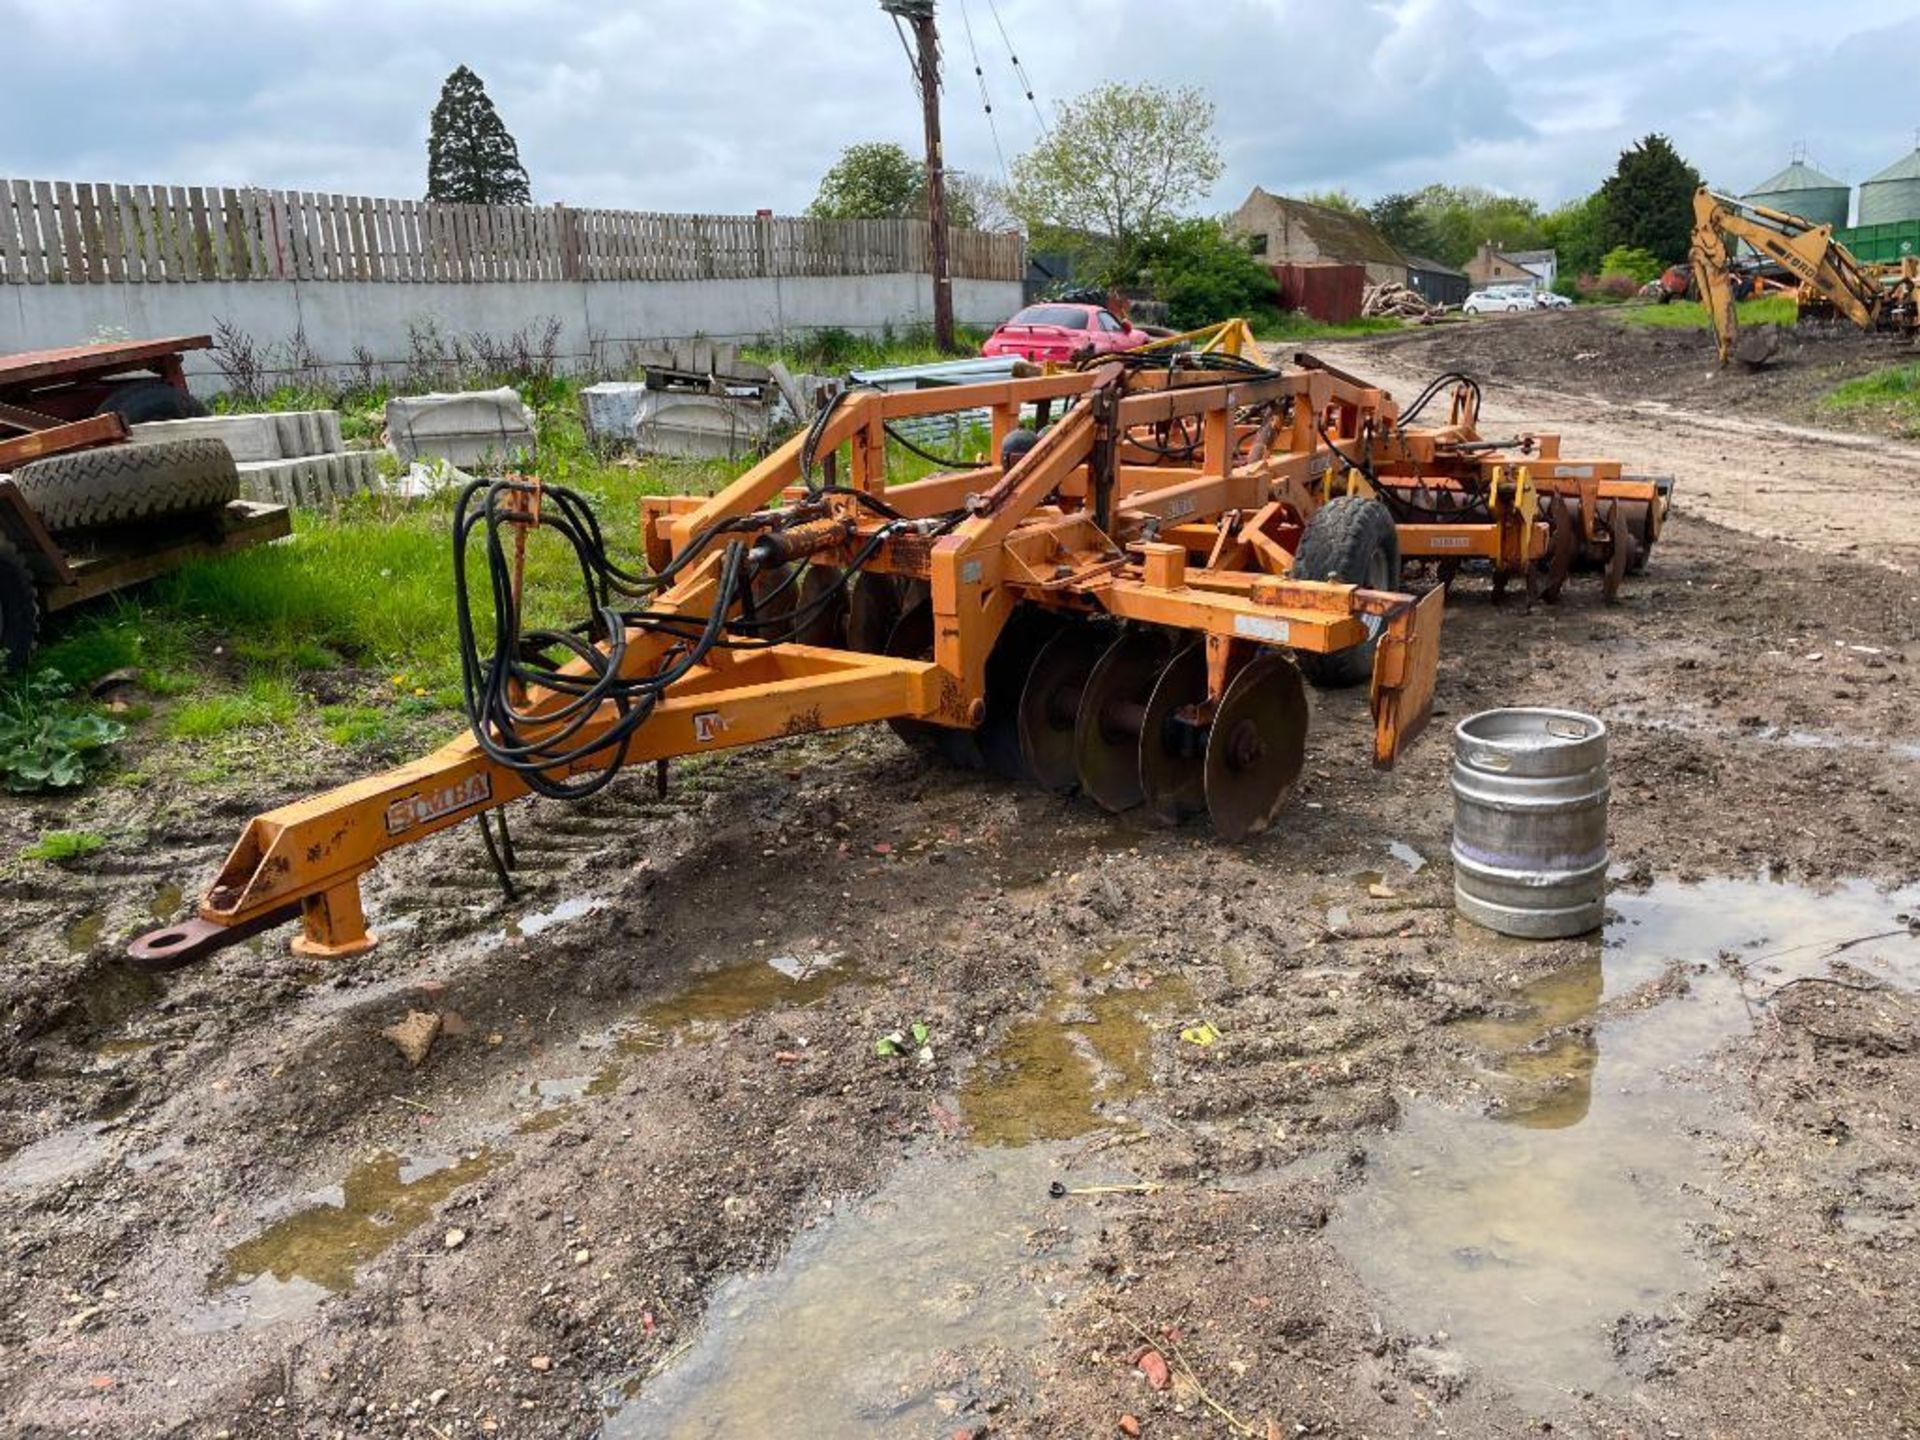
(1881, 244)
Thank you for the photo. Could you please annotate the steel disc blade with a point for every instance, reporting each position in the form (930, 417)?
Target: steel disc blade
(1050, 702)
(1173, 768)
(822, 608)
(1257, 747)
(912, 639)
(775, 596)
(1619, 553)
(1022, 638)
(1562, 531)
(873, 609)
(1106, 735)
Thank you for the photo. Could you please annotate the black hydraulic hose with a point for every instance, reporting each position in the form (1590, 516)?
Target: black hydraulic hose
(565, 732)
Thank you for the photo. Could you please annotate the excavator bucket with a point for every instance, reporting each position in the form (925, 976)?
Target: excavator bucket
(1404, 669)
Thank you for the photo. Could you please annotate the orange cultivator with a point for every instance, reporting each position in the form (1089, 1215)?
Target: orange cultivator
(1127, 603)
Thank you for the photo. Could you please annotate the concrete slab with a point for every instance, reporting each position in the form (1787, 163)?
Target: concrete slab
(476, 428)
(311, 479)
(254, 438)
(689, 425)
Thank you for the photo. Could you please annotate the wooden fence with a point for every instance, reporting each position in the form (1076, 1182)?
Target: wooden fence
(63, 233)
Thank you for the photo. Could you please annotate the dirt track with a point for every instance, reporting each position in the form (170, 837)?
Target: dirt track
(1424, 1181)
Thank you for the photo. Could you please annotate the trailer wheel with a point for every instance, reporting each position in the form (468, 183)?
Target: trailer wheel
(1353, 540)
(139, 401)
(19, 609)
(120, 484)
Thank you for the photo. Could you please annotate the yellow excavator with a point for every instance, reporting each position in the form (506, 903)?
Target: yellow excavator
(1832, 281)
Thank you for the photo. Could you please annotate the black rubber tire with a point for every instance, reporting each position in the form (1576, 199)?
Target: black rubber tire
(139, 402)
(1351, 539)
(19, 609)
(123, 484)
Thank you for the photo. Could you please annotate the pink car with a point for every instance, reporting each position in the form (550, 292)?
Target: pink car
(1059, 331)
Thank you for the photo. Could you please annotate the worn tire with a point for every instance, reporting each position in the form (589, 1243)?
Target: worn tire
(19, 609)
(122, 484)
(140, 401)
(1352, 540)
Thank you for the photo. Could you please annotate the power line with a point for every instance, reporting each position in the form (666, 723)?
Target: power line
(1019, 70)
(986, 100)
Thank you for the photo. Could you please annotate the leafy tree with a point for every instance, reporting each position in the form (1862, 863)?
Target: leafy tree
(1120, 162)
(1401, 218)
(1637, 265)
(1203, 271)
(1649, 200)
(1576, 232)
(1338, 199)
(880, 181)
(1461, 218)
(471, 159)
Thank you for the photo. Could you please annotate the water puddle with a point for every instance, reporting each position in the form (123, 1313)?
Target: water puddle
(733, 992)
(1790, 739)
(54, 1158)
(1407, 856)
(880, 1321)
(1527, 1237)
(166, 903)
(1068, 1070)
(114, 992)
(84, 933)
(711, 998)
(314, 1252)
(525, 927)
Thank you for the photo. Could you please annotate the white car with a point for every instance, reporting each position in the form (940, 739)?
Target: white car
(1499, 299)
(1549, 300)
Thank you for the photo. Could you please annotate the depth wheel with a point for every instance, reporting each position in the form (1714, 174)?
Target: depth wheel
(1256, 748)
(1050, 703)
(1173, 751)
(1106, 734)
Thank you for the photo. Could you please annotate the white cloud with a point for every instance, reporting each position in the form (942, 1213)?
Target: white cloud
(665, 106)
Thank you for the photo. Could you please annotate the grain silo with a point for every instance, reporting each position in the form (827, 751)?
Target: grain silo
(1802, 190)
(1894, 194)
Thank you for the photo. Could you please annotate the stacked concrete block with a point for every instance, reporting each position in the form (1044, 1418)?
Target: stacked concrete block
(611, 410)
(484, 430)
(294, 457)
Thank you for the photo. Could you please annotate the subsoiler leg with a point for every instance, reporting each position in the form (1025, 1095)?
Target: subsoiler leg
(332, 924)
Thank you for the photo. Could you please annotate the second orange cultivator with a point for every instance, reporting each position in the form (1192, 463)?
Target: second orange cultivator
(1128, 601)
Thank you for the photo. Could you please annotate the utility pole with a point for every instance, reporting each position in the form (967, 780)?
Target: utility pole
(926, 65)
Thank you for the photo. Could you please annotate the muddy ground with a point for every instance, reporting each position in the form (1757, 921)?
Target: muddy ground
(1418, 1180)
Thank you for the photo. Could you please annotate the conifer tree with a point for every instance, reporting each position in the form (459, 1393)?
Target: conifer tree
(471, 159)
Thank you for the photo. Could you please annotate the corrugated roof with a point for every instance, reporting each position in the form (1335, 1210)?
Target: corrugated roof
(1420, 262)
(1907, 167)
(1797, 176)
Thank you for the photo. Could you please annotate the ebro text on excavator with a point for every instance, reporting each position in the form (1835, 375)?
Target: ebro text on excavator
(1127, 600)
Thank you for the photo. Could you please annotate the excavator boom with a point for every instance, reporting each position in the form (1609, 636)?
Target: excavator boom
(1826, 269)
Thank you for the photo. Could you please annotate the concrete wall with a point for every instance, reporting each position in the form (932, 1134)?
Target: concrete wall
(597, 319)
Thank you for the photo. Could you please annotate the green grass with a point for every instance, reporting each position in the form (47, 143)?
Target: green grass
(834, 351)
(356, 607)
(266, 701)
(1893, 392)
(1692, 315)
(1295, 325)
(63, 847)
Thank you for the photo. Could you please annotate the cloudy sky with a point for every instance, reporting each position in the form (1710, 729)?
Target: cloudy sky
(735, 104)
